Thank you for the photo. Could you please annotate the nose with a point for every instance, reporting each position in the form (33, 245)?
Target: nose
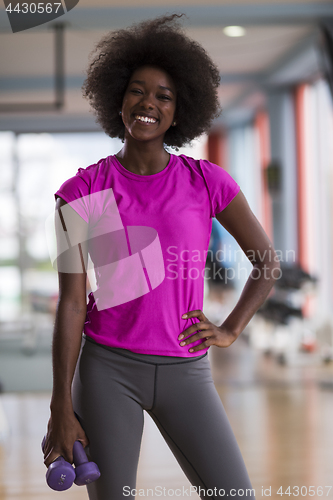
(147, 101)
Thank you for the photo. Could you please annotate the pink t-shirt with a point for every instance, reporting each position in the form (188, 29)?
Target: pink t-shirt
(148, 242)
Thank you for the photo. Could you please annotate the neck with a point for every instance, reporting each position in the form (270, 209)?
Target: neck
(143, 158)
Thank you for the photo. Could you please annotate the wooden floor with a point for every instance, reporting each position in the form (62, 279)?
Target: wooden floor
(281, 416)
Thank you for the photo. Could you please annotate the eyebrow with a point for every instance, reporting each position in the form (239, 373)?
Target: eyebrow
(160, 86)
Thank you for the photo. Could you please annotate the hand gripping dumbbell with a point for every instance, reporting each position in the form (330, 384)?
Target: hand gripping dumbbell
(61, 474)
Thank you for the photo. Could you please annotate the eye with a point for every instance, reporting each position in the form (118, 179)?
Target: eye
(136, 91)
(165, 97)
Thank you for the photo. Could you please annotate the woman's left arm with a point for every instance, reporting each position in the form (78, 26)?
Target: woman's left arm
(239, 220)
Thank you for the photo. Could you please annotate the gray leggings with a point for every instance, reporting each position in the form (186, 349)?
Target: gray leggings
(111, 388)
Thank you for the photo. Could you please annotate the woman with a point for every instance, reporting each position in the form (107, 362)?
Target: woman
(145, 217)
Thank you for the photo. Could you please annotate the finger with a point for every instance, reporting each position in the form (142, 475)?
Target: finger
(197, 336)
(65, 452)
(82, 436)
(51, 457)
(203, 345)
(192, 329)
(68, 455)
(197, 313)
(84, 441)
(46, 448)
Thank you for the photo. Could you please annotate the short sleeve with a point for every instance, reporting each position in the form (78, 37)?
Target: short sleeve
(76, 192)
(222, 188)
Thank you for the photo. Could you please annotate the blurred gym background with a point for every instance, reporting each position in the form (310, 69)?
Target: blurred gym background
(275, 138)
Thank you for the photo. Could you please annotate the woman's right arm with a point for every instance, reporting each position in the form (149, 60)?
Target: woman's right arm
(63, 427)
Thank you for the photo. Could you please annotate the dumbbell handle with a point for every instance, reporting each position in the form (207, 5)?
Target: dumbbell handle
(79, 455)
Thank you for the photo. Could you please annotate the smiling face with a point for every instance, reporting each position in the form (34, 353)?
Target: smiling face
(149, 104)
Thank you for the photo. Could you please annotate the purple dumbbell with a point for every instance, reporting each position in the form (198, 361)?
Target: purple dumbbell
(61, 474)
(86, 472)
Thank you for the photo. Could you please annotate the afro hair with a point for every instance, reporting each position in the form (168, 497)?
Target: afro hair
(158, 42)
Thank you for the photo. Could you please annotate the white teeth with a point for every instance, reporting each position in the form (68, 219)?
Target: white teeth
(145, 119)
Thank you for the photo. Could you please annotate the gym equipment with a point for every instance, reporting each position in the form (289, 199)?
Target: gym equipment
(86, 472)
(61, 474)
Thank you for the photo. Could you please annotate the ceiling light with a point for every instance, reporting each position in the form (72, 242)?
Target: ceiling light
(234, 31)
